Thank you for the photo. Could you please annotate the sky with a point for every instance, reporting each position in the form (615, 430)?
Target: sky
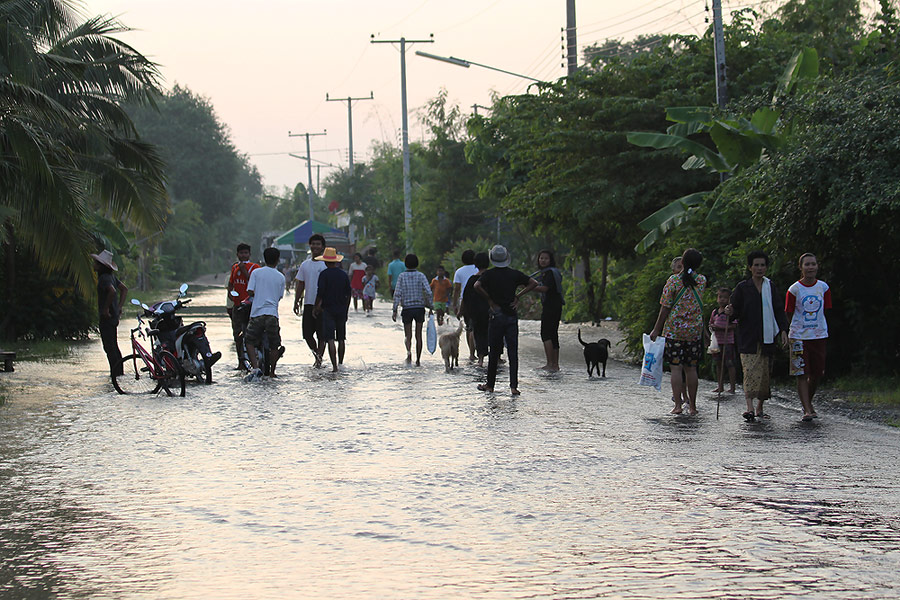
(267, 65)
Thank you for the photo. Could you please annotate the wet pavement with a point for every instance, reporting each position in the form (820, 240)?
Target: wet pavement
(391, 481)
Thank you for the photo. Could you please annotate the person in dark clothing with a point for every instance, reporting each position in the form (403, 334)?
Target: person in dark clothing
(110, 298)
(761, 322)
(333, 304)
(499, 286)
(474, 307)
(551, 312)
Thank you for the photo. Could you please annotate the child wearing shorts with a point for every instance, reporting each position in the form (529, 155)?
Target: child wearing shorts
(370, 282)
(806, 302)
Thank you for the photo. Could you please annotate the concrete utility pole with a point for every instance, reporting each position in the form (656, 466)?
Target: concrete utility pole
(349, 102)
(309, 189)
(719, 46)
(407, 188)
(571, 43)
(475, 108)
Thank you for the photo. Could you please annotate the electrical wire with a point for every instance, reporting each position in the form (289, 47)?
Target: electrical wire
(472, 18)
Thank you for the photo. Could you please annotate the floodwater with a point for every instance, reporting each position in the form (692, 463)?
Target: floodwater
(389, 481)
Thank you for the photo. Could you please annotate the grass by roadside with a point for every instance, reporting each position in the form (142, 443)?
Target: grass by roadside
(878, 391)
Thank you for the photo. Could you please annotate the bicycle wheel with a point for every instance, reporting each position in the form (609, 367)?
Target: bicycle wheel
(135, 378)
(173, 373)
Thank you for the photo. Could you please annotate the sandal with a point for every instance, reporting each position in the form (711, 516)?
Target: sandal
(749, 416)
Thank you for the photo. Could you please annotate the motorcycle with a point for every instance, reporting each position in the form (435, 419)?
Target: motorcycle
(187, 342)
(262, 354)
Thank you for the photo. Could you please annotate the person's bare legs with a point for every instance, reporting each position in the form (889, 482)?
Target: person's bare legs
(407, 331)
(677, 388)
(691, 373)
(418, 342)
(470, 340)
(548, 354)
(806, 389)
(332, 354)
(341, 348)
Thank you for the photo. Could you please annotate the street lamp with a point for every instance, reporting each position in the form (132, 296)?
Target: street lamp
(461, 62)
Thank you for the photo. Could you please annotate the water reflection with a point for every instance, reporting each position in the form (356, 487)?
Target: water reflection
(392, 481)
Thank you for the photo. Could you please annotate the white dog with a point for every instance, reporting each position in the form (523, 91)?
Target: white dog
(449, 344)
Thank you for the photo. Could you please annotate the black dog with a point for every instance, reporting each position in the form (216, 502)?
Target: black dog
(595, 354)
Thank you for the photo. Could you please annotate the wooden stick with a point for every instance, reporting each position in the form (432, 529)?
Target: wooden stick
(721, 369)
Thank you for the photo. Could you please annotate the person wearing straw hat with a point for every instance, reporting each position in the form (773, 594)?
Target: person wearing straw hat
(108, 286)
(499, 286)
(333, 304)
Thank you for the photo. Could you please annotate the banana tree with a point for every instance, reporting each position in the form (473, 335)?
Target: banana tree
(738, 143)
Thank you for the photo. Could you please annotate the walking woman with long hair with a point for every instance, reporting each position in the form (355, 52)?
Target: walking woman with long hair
(681, 322)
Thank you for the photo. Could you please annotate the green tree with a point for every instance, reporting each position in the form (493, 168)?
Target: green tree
(67, 147)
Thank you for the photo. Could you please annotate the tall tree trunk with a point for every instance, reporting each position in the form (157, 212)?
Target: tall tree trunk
(9, 252)
(604, 273)
(589, 284)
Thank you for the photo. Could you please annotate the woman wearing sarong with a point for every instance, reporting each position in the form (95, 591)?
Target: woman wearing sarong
(760, 323)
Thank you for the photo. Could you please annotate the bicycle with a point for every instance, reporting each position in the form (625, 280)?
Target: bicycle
(144, 372)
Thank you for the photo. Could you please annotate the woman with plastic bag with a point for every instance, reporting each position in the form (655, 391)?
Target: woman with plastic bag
(680, 321)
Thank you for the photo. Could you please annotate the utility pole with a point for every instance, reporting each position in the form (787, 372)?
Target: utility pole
(349, 102)
(719, 46)
(475, 108)
(407, 188)
(309, 189)
(571, 43)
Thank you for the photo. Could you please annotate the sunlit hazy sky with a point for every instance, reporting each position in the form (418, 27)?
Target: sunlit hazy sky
(266, 65)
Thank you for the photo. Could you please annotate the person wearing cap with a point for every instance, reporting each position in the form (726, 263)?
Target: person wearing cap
(499, 286)
(108, 286)
(414, 293)
(266, 289)
(333, 304)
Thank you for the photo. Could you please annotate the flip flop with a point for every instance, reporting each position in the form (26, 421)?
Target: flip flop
(749, 416)
(807, 418)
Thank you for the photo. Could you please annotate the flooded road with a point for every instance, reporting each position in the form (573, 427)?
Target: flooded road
(389, 481)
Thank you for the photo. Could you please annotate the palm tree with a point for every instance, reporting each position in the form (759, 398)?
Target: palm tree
(67, 147)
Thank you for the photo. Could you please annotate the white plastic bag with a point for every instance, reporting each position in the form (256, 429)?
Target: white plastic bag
(713, 344)
(652, 367)
(431, 335)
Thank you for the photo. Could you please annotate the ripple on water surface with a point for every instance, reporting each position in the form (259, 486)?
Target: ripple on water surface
(392, 481)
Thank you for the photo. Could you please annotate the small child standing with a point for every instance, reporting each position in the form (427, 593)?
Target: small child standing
(370, 282)
(440, 289)
(720, 326)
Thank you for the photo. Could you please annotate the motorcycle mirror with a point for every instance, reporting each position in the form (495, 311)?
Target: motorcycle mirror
(135, 301)
(145, 307)
(234, 293)
(183, 288)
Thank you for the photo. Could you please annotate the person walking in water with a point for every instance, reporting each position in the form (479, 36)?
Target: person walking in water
(761, 323)
(266, 289)
(333, 305)
(110, 297)
(680, 320)
(552, 302)
(440, 290)
(414, 294)
(357, 271)
(460, 279)
(806, 302)
(394, 268)
(307, 287)
(237, 282)
(499, 286)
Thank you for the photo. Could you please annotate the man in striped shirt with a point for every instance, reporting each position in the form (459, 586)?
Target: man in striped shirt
(414, 293)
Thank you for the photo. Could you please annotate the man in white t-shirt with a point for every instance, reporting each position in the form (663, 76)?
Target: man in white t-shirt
(307, 289)
(460, 278)
(266, 289)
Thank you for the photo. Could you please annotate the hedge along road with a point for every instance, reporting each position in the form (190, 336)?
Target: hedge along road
(390, 481)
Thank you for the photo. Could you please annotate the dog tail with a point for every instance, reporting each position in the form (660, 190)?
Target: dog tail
(459, 329)
(579, 337)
